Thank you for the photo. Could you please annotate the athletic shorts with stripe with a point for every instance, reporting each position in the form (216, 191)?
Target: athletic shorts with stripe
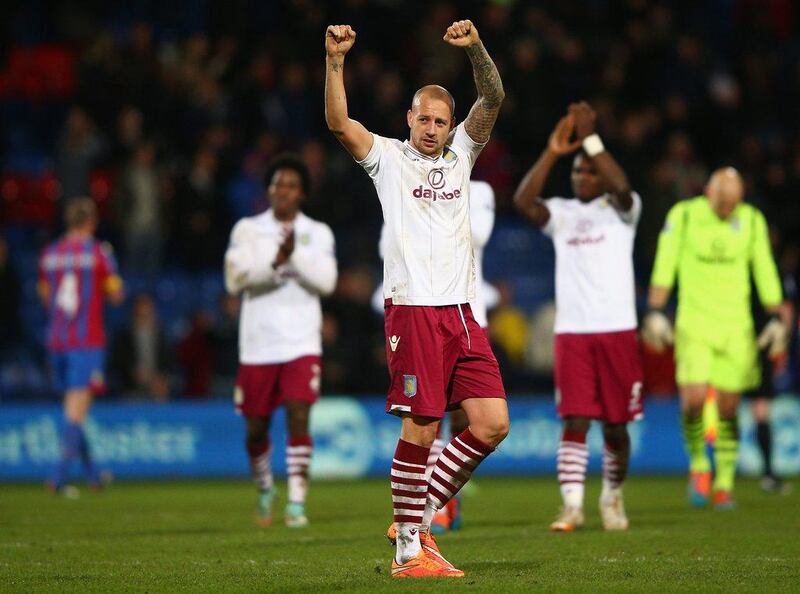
(438, 356)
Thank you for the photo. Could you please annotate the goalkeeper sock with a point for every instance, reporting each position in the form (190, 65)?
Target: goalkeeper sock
(694, 440)
(725, 451)
(298, 460)
(764, 437)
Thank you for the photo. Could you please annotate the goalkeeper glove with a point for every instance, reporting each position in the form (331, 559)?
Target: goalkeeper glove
(657, 330)
(774, 337)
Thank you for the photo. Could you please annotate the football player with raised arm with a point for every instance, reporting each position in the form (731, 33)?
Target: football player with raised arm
(598, 370)
(438, 356)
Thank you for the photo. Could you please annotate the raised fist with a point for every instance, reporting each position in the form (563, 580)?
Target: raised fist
(462, 34)
(339, 39)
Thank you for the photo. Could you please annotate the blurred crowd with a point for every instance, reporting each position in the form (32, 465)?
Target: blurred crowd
(169, 114)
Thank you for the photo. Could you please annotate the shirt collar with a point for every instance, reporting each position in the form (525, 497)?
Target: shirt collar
(408, 148)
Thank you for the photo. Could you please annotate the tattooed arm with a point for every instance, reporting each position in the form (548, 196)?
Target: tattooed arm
(481, 118)
(352, 134)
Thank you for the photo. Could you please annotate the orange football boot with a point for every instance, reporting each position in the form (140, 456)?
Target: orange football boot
(723, 500)
(422, 566)
(699, 488)
(428, 543)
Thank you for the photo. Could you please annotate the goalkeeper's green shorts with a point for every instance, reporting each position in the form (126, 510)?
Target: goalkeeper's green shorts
(728, 361)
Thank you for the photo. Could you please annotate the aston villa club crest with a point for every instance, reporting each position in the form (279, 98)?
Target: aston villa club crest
(410, 385)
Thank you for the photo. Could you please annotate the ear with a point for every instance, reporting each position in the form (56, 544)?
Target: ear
(409, 117)
(452, 122)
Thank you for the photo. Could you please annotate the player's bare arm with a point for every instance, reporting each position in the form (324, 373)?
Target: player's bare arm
(607, 166)
(528, 195)
(482, 115)
(352, 134)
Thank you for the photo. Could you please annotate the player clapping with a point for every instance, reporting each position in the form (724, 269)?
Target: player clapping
(282, 261)
(597, 367)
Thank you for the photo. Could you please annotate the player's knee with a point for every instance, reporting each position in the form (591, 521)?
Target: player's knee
(495, 431)
(256, 429)
(577, 424)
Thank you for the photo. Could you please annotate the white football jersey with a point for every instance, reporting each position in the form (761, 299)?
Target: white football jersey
(281, 318)
(481, 216)
(428, 257)
(594, 264)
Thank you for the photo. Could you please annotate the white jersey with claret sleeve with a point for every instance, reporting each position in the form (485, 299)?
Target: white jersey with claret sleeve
(428, 252)
(593, 241)
(281, 316)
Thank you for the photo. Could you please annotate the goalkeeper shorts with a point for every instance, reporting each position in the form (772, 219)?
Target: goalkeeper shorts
(730, 365)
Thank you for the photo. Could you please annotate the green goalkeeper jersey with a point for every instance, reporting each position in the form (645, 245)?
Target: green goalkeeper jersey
(712, 260)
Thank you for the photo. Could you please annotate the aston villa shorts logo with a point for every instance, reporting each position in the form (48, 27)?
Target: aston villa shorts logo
(410, 385)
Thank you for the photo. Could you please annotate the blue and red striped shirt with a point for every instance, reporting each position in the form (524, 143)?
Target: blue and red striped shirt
(75, 273)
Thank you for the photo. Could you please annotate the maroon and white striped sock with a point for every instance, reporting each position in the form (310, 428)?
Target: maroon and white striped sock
(453, 469)
(260, 455)
(573, 457)
(615, 468)
(298, 460)
(409, 490)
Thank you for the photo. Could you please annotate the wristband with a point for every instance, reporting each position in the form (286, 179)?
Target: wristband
(593, 145)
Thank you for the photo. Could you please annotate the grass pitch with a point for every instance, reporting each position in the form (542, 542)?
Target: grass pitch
(199, 537)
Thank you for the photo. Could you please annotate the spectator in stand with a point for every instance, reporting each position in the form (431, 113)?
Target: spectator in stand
(199, 221)
(140, 356)
(139, 212)
(80, 149)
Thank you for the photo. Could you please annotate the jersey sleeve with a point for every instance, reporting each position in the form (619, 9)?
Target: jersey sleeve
(554, 206)
(463, 143)
(316, 267)
(670, 239)
(248, 259)
(372, 162)
(632, 216)
(765, 272)
(481, 212)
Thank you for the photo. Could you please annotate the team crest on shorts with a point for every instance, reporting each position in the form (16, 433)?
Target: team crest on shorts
(410, 385)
